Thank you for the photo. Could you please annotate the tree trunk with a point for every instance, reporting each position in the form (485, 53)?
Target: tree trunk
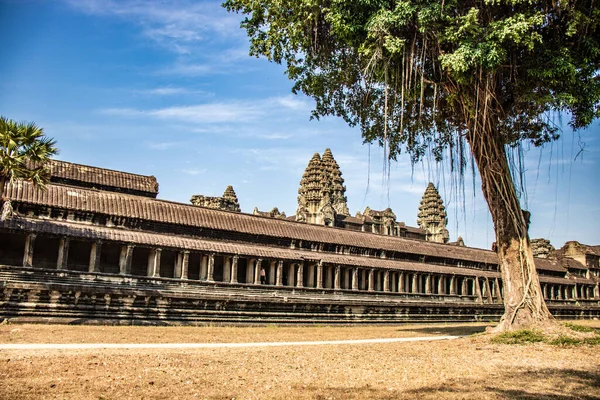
(523, 299)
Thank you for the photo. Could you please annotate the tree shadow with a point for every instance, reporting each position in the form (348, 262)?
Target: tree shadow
(512, 383)
(450, 330)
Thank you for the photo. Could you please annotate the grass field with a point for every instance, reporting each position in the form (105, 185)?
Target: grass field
(466, 368)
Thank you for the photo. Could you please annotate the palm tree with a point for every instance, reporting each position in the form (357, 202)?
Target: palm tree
(24, 154)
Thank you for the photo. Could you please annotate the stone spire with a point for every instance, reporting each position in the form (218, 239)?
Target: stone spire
(230, 196)
(336, 182)
(432, 215)
(310, 191)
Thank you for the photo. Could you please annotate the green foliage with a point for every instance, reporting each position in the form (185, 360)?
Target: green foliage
(523, 336)
(24, 152)
(581, 328)
(416, 75)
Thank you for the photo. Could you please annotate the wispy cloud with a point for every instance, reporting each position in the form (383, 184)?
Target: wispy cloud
(176, 25)
(172, 91)
(194, 171)
(234, 111)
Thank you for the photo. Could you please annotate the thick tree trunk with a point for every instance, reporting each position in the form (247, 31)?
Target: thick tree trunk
(523, 298)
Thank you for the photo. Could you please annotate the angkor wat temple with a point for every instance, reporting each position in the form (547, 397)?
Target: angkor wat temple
(97, 245)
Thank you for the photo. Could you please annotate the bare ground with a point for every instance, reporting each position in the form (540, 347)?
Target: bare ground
(467, 368)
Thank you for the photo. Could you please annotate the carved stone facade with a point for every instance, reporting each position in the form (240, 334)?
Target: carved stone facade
(321, 196)
(274, 213)
(541, 248)
(229, 201)
(432, 215)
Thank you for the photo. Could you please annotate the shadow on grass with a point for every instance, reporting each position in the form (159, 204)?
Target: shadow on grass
(545, 383)
(452, 330)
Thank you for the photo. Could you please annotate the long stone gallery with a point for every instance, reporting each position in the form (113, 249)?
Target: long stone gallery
(97, 246)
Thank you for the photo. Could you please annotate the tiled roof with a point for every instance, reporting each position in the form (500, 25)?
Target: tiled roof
(161, 211)
(66, 171)
(549, 264)
(93, 233)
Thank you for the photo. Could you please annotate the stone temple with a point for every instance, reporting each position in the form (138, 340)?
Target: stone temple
(97, 245)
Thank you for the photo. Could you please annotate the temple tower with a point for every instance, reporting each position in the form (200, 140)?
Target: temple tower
(231, 198)
(229, 201)
(321, 195)
(336, 182)
(432, 215)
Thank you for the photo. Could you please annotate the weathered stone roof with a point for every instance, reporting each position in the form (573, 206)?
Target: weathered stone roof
(549, 264)
(102, 178)
(161, 211)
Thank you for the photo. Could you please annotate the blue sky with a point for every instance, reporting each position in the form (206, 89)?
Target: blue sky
(166, 88)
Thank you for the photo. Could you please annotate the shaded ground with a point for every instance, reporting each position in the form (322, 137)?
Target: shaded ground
(467, 368)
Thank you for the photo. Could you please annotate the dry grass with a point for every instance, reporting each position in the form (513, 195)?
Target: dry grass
(468, 368)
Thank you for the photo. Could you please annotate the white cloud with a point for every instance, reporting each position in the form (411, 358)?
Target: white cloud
(193, 172)
(176, 25)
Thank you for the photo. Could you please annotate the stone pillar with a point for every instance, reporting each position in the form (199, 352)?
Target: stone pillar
(488, 291)
(257, 267)
(597, 291)
(428, 284)
(415, 283)
(386, 281)
(320, 275)
(226, 269)
(291, 274)
(371, 283)
(95, 257)
(177, 267)
(498, 291)
(463, 287)
(203, 267)
(279, 273)
(211, 268)
(250, 270)
(336, 279)
(401, 282)
(441, 288)
(477, 290)
(63, 253)
(355, 278)
(347, 278)
(272, 267)
(185, 262)
(453, 285)
(300, 275)
(125, 259)
(310, 279)
(154, 263)
(28, 253)
(234, 269)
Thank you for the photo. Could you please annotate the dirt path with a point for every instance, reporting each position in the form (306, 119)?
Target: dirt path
(79, 346)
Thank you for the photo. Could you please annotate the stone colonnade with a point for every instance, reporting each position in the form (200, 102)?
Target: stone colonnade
(233, 268)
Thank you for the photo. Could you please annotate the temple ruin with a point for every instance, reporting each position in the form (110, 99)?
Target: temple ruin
(98, 245)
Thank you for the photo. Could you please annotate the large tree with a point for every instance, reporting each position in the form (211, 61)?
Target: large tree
(24, 154)
(424, 76)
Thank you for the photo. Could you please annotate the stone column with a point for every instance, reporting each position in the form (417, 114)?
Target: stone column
(463, 287)
(234, 269)
(428, 284)
(28, 253)
(386, 281)
(177, 267)
(498, 291)
(597, 291)
(154, 263)
(250, 270)
(63, 253)
(203, 267)
(291, 274)
(272, 267)
(415, 283)
(371, 283)
(280, 273)
(300, 275)
(401, 282)
(441, 289)
(310, 280)
(320, 275)
(488, 291)
(95, 257)
(211, 268)
(355, 278)
(347, 278)
(478, 290)
(336, 279)
(226, 269)
(257, 271)
(453, 284)
(125, 259)
(185, 262)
